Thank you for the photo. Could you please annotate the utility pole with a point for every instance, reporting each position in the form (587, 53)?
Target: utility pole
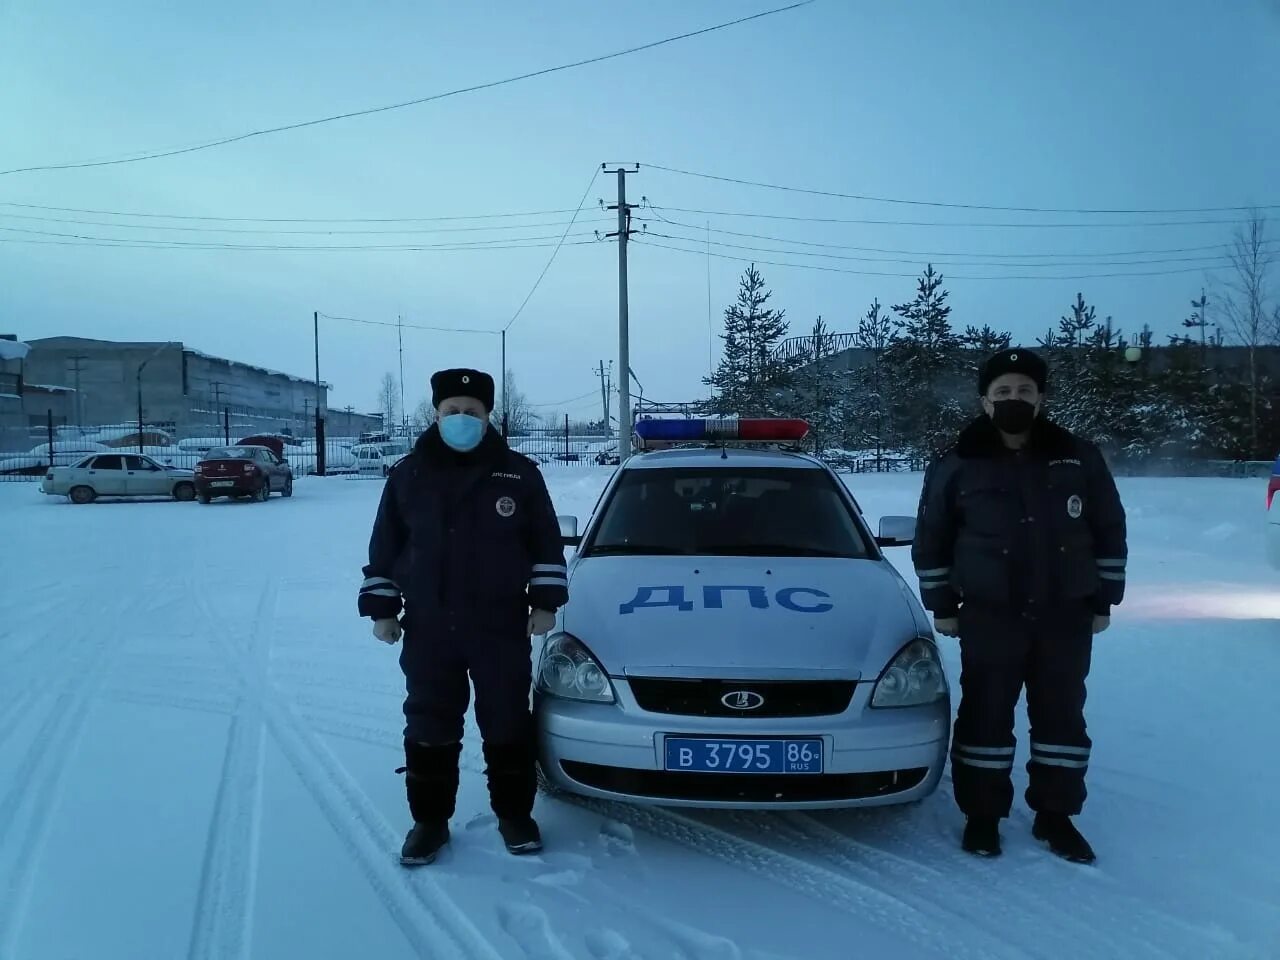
(506, 407)
(606, 388)
(76, 362)
(400, 336)
(624, 343)
(320, 466)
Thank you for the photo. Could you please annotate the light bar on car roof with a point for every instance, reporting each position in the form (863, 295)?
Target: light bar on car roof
(721, 430)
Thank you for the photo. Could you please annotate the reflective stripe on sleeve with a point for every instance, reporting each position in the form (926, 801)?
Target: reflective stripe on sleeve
(1119, 563)
(1109, 575)
(934, 573)
(372, 582)
(550, 568)
(548, 582)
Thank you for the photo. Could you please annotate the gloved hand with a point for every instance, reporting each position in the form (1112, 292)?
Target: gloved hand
(1100, 623)
(541, 622)
(947, 626)
(388, 631)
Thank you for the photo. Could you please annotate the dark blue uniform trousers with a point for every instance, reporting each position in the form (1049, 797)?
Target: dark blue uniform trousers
(437, 660)
(1002, 650)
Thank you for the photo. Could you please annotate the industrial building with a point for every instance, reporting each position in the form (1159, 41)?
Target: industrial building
(89, 383)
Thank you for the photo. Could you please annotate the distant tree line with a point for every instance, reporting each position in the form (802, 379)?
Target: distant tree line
(917, 384)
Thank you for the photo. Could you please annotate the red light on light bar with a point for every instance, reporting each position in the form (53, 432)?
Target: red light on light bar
(772, 430)
(1272, 489)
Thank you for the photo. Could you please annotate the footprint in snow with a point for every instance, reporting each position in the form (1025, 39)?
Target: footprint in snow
(609, 945)
(618, 838)
(531, 930)
(481, 821)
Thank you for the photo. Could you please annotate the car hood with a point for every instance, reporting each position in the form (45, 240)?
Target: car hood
(741, 617)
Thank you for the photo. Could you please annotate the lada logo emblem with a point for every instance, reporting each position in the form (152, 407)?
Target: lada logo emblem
(743, 700)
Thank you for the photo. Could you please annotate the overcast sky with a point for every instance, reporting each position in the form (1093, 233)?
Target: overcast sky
(1140, 104)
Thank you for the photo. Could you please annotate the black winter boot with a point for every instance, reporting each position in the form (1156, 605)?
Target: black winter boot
(982, 836)
(431, 783)
(1057, 830)
(513, 783)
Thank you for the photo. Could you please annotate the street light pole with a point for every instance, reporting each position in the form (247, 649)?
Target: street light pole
(142, 366)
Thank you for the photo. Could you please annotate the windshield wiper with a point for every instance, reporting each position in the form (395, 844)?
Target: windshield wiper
(633, 548)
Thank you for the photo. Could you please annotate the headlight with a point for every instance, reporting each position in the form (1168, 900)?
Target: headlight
(913, 678)
(568, 670)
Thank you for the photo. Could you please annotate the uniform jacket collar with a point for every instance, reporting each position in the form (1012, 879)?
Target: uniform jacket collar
(981, 440)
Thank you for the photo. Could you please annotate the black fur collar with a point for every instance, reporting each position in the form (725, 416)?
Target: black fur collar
(981, 439)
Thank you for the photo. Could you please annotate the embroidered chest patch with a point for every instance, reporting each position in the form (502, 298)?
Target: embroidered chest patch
(1075, 507)
(506, 507)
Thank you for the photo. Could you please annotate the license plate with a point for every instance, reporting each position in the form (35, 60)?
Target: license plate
(223, 483)
(736, 755)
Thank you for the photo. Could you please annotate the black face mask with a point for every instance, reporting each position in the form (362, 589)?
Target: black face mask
(1013, 416)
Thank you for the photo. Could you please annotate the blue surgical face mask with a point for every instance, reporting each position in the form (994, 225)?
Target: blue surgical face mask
(462, 432)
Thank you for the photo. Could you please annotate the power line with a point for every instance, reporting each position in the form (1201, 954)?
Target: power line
(181, 216)
(282, 232)
(1206, 261)
(497, 244)
(936, 253)
(961, 206)
(552, 259)
(593, 396)
(410, 326)
(156, 155)
(881, 273)
(1015, 225)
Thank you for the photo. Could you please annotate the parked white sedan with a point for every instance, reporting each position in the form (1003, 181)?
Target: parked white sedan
(36, 460)
(119, 475)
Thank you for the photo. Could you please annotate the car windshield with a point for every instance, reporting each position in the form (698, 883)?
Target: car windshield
(760, 512)
(230, 453)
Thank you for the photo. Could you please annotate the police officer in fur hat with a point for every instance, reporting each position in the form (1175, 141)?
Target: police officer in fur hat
(467, 547)
(1020, 550)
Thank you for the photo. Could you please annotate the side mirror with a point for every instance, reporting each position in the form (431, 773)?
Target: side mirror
(897, 531)
(569, 535)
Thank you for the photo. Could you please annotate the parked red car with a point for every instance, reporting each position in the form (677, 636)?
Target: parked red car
(242, 470)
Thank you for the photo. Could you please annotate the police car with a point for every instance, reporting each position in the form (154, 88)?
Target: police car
(1273, 516)
(736, 638)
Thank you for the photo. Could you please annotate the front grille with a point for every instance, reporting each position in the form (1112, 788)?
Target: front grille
(706, 698)
(743, 788)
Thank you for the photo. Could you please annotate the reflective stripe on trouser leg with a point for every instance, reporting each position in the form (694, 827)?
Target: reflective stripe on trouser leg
(992, 651)
(1060, 745)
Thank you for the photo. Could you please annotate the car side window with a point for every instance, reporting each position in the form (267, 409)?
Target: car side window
(139, 464)
(112, 462)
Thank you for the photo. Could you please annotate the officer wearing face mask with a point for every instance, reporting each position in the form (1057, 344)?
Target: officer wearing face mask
(467, 546)
(1020, 550)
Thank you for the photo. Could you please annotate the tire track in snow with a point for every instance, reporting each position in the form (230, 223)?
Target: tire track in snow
(416, 902)
(27, 808)
(1001, 917)
(814, 881)
(223, 925)
(1099, 906)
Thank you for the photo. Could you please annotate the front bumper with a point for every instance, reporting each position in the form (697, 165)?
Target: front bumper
(615, 752)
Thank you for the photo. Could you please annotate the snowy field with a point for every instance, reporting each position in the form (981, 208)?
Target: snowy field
(198, 737)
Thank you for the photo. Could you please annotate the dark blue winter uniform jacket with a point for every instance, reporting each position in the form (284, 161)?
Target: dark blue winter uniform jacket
(471, 539)
(1034, 528)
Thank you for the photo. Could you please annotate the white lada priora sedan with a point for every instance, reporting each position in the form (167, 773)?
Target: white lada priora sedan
(735, 638)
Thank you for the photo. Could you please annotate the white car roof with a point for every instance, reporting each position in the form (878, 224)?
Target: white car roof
(729, 458)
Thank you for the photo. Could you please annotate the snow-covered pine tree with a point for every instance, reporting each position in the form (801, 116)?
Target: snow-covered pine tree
(924, 364)
(868, 424)
(751, 378)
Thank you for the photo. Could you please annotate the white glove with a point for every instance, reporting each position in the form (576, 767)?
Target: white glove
(388, 631)
(541, 622)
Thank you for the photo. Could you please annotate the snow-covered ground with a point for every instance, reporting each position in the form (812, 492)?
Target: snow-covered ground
(198, 738)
